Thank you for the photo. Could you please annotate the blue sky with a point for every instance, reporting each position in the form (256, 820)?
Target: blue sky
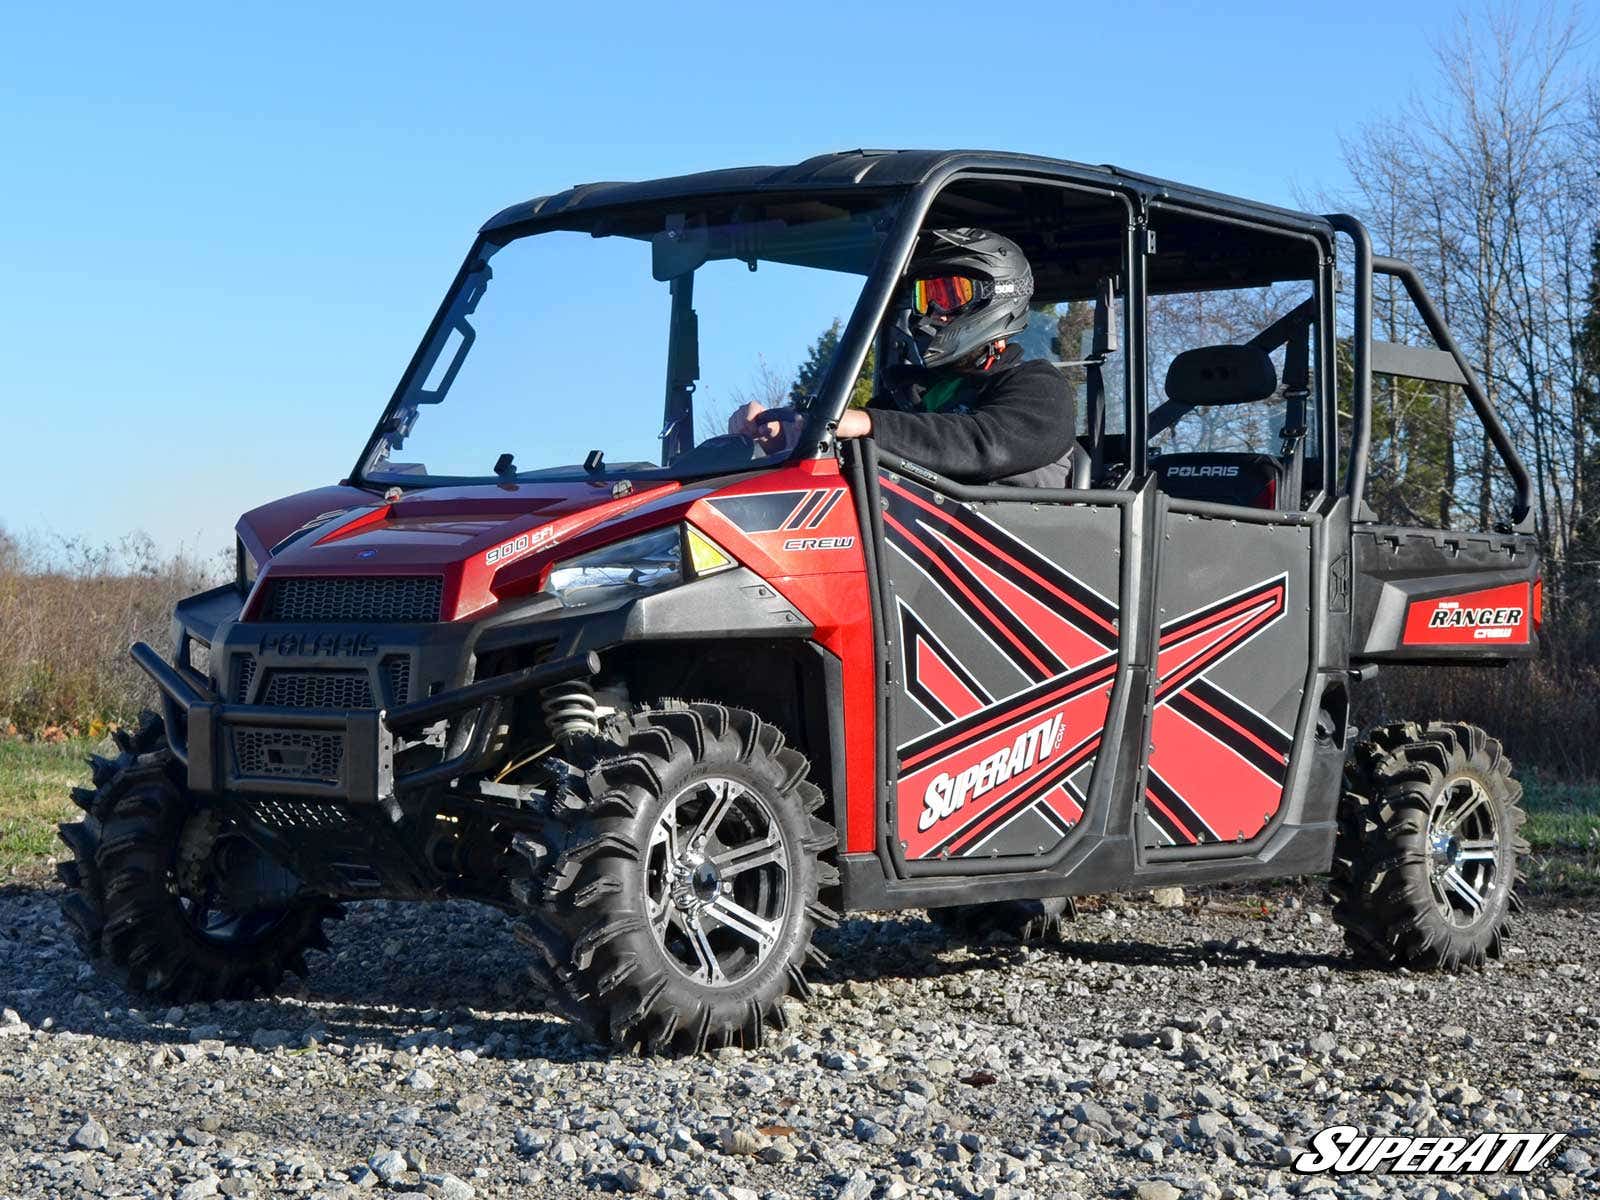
(224, 227)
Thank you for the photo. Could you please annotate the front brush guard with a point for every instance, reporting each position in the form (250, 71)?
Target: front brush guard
(201, 729)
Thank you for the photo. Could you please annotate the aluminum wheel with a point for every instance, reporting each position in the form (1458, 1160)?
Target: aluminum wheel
(717, 881)
(1463, 851)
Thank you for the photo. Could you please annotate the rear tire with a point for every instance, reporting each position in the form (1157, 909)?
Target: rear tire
(1426, 859)
(142, 896)
(679, 909)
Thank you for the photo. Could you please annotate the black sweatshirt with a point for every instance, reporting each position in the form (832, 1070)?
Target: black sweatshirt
(1011, 419)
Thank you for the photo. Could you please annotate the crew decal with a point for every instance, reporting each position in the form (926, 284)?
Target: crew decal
(1217, 770)
(1493, 616)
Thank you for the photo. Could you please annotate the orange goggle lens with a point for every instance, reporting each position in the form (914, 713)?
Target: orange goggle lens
(947, 294)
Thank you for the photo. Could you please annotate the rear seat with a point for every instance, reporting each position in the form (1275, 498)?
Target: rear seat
(1212, 376)
(1248, 480)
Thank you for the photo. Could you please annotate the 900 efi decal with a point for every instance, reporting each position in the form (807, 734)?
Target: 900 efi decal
(1497, 615)
(990, 760)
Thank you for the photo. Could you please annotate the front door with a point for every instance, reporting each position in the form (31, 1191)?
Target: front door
(1002, 611)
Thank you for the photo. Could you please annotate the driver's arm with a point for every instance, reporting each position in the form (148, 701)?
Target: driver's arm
(1025, 423)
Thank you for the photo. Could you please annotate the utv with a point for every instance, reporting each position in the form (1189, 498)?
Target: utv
(681, 699)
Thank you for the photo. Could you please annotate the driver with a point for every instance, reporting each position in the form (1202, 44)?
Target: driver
(971, 410)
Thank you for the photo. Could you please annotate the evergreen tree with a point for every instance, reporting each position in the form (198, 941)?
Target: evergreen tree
(808, 379)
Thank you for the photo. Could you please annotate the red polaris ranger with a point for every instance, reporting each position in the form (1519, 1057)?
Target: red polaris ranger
(676, 695)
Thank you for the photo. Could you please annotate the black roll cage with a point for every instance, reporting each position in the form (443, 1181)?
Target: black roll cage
(922, 177)
(1447, 364)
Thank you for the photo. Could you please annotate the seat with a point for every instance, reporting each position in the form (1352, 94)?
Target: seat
(1248, 480)
(1211, 376)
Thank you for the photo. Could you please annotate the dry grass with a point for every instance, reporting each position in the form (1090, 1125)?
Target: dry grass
(1546, 712)
(68, 613)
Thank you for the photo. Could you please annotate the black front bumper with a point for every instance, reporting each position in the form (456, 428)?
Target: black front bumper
(336, 754)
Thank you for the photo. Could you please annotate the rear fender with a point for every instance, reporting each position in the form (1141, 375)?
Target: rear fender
(1424, 595)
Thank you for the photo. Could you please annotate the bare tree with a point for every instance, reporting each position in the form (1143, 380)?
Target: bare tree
(1488, 185)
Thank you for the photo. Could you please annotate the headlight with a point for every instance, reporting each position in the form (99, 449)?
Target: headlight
(246, 566)
(623, 569)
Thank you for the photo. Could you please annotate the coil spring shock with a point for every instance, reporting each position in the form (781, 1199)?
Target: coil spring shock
(570, 710)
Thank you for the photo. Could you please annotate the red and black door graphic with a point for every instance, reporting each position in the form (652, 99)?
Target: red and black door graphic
(1217, 768)
(1006, 665)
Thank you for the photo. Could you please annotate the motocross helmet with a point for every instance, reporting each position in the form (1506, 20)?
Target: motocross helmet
(965, 289)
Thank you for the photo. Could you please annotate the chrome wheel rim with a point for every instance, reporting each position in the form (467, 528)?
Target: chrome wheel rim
(717, 881)
(1463, 851)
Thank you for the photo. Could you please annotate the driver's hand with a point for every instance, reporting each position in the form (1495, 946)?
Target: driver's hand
(772, 432)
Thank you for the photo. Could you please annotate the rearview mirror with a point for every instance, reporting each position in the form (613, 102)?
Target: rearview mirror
(1106, 325)
(678, 250)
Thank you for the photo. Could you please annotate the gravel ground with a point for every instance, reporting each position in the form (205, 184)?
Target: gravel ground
(1155, 1053)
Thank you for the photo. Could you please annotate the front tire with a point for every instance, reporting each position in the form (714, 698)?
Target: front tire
(145, 887)
(1426, 858)
(679, 910)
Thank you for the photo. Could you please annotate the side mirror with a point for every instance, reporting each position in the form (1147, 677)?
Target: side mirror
(1107, 329)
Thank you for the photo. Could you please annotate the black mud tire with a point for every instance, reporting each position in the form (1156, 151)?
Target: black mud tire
(1027, 921)
(122, 903)
(1385, 859)
(587, 912)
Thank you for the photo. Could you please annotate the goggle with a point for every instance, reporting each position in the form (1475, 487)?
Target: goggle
(947, 293)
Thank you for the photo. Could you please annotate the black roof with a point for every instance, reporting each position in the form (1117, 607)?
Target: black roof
(875, 169)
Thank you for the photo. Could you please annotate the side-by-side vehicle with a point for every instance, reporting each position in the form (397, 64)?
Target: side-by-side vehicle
(676, 698)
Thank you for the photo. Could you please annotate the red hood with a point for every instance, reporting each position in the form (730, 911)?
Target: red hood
(465, 534)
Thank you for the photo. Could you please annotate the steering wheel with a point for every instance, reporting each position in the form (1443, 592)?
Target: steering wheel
(722, 452)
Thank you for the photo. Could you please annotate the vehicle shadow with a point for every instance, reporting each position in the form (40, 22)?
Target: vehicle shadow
(458, 977)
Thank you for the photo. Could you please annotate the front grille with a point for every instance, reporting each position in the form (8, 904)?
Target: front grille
(289, 754)
(397, 667)
(383, 599)
(317, 689)
(246, 669)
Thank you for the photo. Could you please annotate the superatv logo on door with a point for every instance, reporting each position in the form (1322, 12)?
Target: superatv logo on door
(947, 793)
(1472, 618)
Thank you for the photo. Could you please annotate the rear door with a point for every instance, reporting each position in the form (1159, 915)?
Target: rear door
(1240, 587)
(1234, 611)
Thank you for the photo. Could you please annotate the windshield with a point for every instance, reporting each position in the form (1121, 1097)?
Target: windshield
(620, 344)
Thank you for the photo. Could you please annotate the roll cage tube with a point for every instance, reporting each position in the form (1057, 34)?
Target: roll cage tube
(1469, 382)
(1366, 265)
(862, 329)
